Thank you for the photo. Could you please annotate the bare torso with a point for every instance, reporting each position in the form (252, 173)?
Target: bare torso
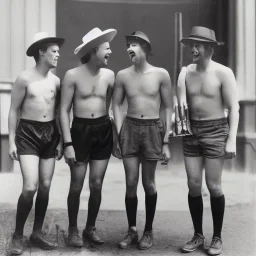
(204, 92)
(40, 97)
(142, 91)
(90, 93)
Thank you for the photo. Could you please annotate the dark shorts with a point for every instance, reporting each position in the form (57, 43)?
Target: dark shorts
(92, 138)
(208, 139)
(37, 138)
(142, 138)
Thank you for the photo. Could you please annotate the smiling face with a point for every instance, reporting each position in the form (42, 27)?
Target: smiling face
(135, 51)
(200, 51)
(102, 53)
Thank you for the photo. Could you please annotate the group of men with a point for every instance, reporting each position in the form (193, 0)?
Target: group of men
(38, 136)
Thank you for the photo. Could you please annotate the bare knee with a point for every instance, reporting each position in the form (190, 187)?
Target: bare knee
(195, 186)
(28, 192)
(44, 186)
(149, 187)
(95, 186)
(131, 188)
(214, 189)
(75, 188)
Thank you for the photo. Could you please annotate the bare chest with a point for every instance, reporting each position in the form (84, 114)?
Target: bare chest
(42, 91)
(145, 85)
(207, 85)
(91, 88)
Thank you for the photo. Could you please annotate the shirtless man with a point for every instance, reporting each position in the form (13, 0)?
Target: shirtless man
(210, 88)
(90, 140)
(143, 137)
(35, 140)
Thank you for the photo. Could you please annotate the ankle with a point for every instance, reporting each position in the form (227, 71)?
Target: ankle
(133, 228)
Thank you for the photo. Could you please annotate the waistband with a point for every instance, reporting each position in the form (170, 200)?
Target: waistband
(202, 123)
(98, 120)
(37, 123)
(138, 121)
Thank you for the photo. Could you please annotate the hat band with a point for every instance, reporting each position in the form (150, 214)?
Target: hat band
(202, 37)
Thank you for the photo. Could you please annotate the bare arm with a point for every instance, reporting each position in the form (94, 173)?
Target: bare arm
(110, 91)
(181, 88)
(166, 98)
(17, 97)
(229, 94)
(118, 98)
(67, 93)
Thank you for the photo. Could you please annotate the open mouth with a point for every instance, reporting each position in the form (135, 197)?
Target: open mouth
(106, 57)
(132, 54)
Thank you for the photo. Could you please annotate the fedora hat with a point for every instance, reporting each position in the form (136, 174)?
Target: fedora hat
(94, 38)
(138, 35)
(40, 39)
(201, 34)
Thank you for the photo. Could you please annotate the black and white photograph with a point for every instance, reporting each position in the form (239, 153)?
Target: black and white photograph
(128, 127)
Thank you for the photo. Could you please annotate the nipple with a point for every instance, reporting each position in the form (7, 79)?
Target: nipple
(92, 115)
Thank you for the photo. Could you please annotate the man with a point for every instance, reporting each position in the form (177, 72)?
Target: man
(210, 88)
(90, 140)
(143, 137)
(34, 140)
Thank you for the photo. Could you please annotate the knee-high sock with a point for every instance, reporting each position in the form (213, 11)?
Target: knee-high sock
(131, 204)
(73, 207)
(93, 208)
(150, 201)
(218, 208)
(23, 210)
(42, 200)
(196, 211)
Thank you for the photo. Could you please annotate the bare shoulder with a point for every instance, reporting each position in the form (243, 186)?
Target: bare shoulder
(24, 78)
(161, 71)
(55, 79)
(108, 72)
(191, 68)
(124, 72)
(222, 70)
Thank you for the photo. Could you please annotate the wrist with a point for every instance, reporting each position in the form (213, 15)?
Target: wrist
(67, 144)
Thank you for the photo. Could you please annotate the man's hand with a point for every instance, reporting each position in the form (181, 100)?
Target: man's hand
(230, 149)
(166, 154)
(13, 152)
(59, 151)
(116, 151)
(69, 155)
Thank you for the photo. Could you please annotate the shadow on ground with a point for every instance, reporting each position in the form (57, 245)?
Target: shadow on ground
(171, 230)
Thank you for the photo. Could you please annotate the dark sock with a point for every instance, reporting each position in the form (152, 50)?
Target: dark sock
(93, 209)
(196, 211)
(131, 204)
(218, 208)
(73, 207)
(40, 210)
(23, 210)
(150, 202)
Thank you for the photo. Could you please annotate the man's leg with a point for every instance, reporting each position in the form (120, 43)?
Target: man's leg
(194, 169)
(29, 170)
(131, 166)
(97, 173)
(78, 172)
(213, 172)
(148, 181)
(46, 170)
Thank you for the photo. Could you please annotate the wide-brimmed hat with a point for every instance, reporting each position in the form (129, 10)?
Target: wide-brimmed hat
(40, 39)
(94, 38)
(201, 34)
(138, 35)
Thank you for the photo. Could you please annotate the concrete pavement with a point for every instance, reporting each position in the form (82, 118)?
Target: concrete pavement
(172, 226)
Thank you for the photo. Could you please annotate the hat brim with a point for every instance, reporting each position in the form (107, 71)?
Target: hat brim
(38, 44)
(188, 40)
(107, 36)
(133, 37)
